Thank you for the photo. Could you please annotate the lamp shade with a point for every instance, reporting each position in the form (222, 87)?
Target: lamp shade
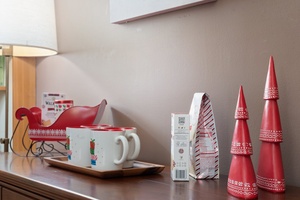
(28, 27)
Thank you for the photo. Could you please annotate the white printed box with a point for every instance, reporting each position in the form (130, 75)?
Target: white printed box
(180, 146)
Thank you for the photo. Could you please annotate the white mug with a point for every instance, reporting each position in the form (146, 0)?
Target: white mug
(109, 149)
(78, 139)
(134, 146)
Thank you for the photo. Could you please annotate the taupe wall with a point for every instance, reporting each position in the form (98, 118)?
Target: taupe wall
(149, 68)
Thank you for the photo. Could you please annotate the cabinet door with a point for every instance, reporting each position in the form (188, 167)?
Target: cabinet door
(8, 194)
(11, 192)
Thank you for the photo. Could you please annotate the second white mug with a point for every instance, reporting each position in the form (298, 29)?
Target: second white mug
(109, 149)
(134, 146)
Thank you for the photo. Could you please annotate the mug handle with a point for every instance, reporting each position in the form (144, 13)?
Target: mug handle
(125, 149)
(137, 146)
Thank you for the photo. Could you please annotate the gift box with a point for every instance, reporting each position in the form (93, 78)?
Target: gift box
(180, 146)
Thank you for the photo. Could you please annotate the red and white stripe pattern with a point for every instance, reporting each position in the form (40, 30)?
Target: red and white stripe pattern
(242, 148)
(271, 135)
(47, 134)
(271, 184)
(242, 189)
(206, 160)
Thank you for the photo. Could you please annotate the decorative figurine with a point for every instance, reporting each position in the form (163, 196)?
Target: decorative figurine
(270, 175)
(241, 178)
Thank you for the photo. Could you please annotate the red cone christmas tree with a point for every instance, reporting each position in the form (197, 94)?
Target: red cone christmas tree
(241, 178)
(270, 175)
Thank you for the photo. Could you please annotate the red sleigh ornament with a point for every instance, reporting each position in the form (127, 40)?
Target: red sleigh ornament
(41, 134)
(74, 116)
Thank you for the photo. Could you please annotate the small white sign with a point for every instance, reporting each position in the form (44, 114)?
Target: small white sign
(48, 111)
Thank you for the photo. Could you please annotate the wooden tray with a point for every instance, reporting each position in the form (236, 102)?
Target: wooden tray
(139, 168)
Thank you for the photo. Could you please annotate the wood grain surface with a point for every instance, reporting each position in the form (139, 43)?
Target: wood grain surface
(35, 175)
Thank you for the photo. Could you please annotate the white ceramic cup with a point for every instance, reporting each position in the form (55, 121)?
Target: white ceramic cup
(134, 146)
(79, 146)
(109, 149)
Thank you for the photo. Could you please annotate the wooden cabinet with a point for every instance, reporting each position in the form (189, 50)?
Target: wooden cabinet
(9, 192)
(22, 92)
(33, 178)
(12, 195)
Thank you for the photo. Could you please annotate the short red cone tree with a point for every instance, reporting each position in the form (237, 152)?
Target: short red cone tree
(241, 178)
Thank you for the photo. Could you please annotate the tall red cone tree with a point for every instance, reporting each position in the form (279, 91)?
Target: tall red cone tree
(270, 174)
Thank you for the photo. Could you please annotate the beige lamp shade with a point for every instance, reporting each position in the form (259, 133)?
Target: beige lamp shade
(28, 27)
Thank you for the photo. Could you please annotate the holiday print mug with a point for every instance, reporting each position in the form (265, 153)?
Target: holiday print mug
(78, 139)
(108, 149)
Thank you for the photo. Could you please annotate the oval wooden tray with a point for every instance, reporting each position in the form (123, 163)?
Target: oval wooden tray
(139, 168)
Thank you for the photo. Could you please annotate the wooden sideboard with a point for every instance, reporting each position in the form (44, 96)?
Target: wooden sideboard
(32, 178)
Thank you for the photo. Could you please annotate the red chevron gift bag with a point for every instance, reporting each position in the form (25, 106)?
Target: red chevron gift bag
(204, 150)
